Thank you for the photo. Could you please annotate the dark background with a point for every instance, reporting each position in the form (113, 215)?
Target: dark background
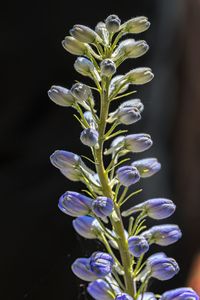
(37, 241)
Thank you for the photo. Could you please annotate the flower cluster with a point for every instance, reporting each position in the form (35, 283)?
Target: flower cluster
(122, 270)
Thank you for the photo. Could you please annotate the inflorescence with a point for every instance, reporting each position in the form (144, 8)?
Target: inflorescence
(122, 270)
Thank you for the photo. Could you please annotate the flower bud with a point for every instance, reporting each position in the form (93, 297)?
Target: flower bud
(133, 103)
(89, 137)
(128, 175)
(139, 76)
(123, 296)
(63, 159)
(86, 68)
(147, 167)
(138, 245)
(157, 208)
(162, 268)
(136, 25)
(125, 115)
(108, 67)
(130, 49)
(81, 92)
(137, 142)
(146, 296)
(100, 290)
(87, 227)
(73, 46)
(102, 32)
(102, 207)
(116, 82)
(113, 23)
(75, 204)
(101, 264)
(81, 268)
(163, 235)
(61, 96)
(89, 118)
(84, 34)
(184, 293)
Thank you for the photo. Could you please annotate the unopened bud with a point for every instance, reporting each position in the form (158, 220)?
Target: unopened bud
(73, 46)
(61, 96)
(108, 67)
(89, 137)
(136, 25)
(86, 68)
(139, 76)
(102, 32)
(113, 23)
(84, 34)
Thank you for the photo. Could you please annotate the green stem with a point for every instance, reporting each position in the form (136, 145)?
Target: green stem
(107, 191)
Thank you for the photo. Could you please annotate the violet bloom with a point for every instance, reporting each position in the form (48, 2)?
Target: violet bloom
(81, 268)
(163, 235)
(137, 142)
(184, 293)
(147, 167)
(102, 206)
(89, 137)
(138, 245)
(100, 290)
(123, 296)
(101, 263)
(75, 204)
(157, 208)
(88, 227)
(128, 175)
(161, 267)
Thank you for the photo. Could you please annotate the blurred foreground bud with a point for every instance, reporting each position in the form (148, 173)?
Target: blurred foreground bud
(100, 290)
(138, 245)
(81, 268)
(184, 293)
(113, 23)
(138, 142)
(73, 46)
(75, 204)
(123, 296)
(88, 227)
(147, 167)
(128, 175)
(163, 235)
(101, 264)
(61, 96)
(139, 76)
(129, 49)
(86, 68)
(136, 25)
(157, 208)
(102, 207)
(84, 34)
(108, 67)
(89, 137)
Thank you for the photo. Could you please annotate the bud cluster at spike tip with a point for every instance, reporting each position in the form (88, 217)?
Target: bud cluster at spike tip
(124, 270)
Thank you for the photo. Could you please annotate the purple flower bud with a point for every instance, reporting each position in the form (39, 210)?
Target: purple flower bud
(101, 264)
(88, 227)
(108, 67)
(63, 159)
(102, 206)
(86, 68)
(163, 235)
(81, 268)
(162, 268)
(137, 142)
(61, 96)
(146, 296)
(113, 23)
(147, 167)
(75, 204)
(100, 290)
(128, 175)
(89, 137)
(184, 293)
(138, 245)
(133, 103)
(123, 296)
(157, 208)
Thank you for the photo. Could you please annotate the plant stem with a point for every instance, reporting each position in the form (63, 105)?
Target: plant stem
(107, 191)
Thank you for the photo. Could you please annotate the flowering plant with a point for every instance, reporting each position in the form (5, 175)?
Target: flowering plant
(122, 270)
